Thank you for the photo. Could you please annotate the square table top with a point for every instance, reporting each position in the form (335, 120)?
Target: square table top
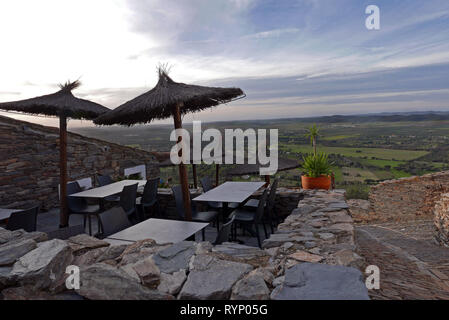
(160, 230)
(6, 213)
(107, 190)
(231, 191)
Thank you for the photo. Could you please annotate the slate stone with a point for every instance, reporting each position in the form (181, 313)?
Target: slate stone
(212, 278)
(6, 279)
(13, 250)
(84, 242)
(252, 287)
(239, 250)
(175, 257)
(172, 283)
(309, 281)
(104, 282)
(43, 265)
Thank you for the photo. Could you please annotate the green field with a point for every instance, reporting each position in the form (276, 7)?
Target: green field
(376, 153)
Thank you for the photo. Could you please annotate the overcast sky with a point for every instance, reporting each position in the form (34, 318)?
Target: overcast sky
(292, 58)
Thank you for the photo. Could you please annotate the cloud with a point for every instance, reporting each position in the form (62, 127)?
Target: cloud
(300, 54)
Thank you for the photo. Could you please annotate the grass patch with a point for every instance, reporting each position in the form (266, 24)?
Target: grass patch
(384, 154)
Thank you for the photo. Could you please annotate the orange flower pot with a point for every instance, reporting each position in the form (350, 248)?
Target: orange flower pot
(323, 182)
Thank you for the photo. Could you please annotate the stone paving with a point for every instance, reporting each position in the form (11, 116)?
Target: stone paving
(412, 266)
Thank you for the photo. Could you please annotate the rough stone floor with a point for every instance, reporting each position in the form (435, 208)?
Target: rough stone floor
(48, 221)
(412, 266)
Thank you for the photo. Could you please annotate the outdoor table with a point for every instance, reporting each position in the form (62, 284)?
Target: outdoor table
(230, 191)
(107, 190)
(160, 230)
(6, 213)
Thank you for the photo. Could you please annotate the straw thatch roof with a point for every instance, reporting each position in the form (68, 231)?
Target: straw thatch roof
(242, 169)
(159, 102)
(55, 104)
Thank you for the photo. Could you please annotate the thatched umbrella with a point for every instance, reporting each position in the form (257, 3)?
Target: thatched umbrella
(170, 99)
(242, 169)
(64, 105)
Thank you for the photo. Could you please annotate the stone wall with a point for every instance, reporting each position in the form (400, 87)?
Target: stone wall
(408, 198)
(29, 162)
(311, 256)
(441, 219)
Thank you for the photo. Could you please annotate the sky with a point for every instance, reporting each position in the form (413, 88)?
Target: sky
(292, 58)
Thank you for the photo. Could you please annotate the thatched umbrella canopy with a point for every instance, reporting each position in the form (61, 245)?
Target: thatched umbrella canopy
(169, 99)
(242, 169)
(62, 104)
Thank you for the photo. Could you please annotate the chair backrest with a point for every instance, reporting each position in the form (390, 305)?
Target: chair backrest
(85, 183)
(25, 219)
(150, 191)
(113, 221)
(261, 207)
(225, 231)
(179, 200)
(141, 170)
(74, 203)
(128, 197)
(272, 196)
(104, 180)
(206, 182)
(65, 233)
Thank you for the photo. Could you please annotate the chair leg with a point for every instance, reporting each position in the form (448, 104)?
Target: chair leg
(84, 221)
(100, 226)
(218, 224)
(90, 224)
(258, 236)
(264, 229)
(203, 232)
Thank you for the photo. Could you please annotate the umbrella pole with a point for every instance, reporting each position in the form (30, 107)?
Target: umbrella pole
(267, 180)
(217, 175)
(182, 168)
(63, 214)
(195, 177)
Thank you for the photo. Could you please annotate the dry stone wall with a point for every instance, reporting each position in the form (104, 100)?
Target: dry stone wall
(311, 256)
(407, 198)
(441, 219)
(29, 162)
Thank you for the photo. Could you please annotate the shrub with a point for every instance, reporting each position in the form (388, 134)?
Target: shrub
(316, 165)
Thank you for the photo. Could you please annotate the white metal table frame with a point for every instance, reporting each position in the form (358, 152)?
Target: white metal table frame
(230, 191)
(160, 230)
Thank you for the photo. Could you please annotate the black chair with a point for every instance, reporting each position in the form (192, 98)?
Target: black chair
(270, 217)
(80, 206)
(248, 218)
(25, 219)
(128, 200)
(104, 180)
(113, 221)
(207, 185)
(206, 216)
(149, 197)
(225, 231)
(65, 233)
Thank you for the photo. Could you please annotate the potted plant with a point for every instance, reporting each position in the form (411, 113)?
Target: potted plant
(317, 172)
(316, 165)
